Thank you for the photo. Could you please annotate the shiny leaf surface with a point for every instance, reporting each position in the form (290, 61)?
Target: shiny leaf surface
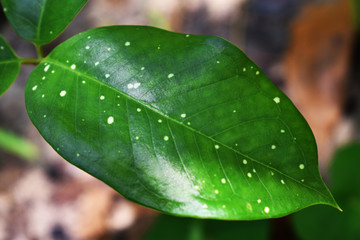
(9, 65)
(183, 124)
(40, 21)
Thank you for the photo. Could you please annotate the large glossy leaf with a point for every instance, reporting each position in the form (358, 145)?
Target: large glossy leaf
(319, 222)
(41, 21)
(184, 124)
(175, 228)
(9, 65)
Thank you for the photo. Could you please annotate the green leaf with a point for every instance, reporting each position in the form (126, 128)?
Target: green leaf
(175, 228)
(325, 223)
(9, 65)
(41, 21)
(183, 124)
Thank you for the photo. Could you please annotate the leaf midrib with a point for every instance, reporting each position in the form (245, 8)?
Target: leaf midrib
(40, 20)
(52, 61)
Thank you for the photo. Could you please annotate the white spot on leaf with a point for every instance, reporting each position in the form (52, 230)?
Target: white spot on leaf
(73, 66)
(183, 115)
(46, 68)
(110, 120)
(223, 180)
(166, 138)
(102, 97)
(245, 161)
(266, 209)
(301, 166)
(276, 99)
(34, 87)
(217, 146)
(62, 93)
(170, 75)
(127, 44)
(138, 109)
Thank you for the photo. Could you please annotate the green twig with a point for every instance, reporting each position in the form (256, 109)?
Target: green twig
(39, 51)
(30, 61)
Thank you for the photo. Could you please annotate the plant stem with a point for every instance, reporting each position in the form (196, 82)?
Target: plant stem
(30, 61)
(39, 52)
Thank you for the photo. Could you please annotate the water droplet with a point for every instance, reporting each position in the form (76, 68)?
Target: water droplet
(110, 120)
(44, 116)
(34, 87)
(244, 69)
(159, 121)
(137, 138)
(196, 187)
(216, 191)
(205, 206)
(53, 71)
(223, 180)
(282, 131)
(138, 109)
(102, 97)
(127, 44)
(107, 75)
(273, 147)
(187, 35)
(282, 181)
(136, 85)
(223, 206)
(166, 138)
(245, 161)
(189, 123)
(257, 73)
(217, 146)
(301, 166)
(109, 49)
(43, 95)
(254, 170)
(83, 82)
(43, 78)
(130, 86)
(302, 180)
(87, 47)
(170, 75)
(249, 175)
(143, 68)
(217, 61)
(62, 93)
(259, 200)
(97, 63)
(183, 115)
(78, 155)
(73, 66)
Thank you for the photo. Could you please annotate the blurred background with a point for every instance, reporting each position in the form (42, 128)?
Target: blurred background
(309, 48)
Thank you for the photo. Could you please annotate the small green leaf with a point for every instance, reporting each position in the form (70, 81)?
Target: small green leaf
(18, 145)
(325, 223)
(40, 21)
(183, 124)
(175, 228)
(9, 65)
